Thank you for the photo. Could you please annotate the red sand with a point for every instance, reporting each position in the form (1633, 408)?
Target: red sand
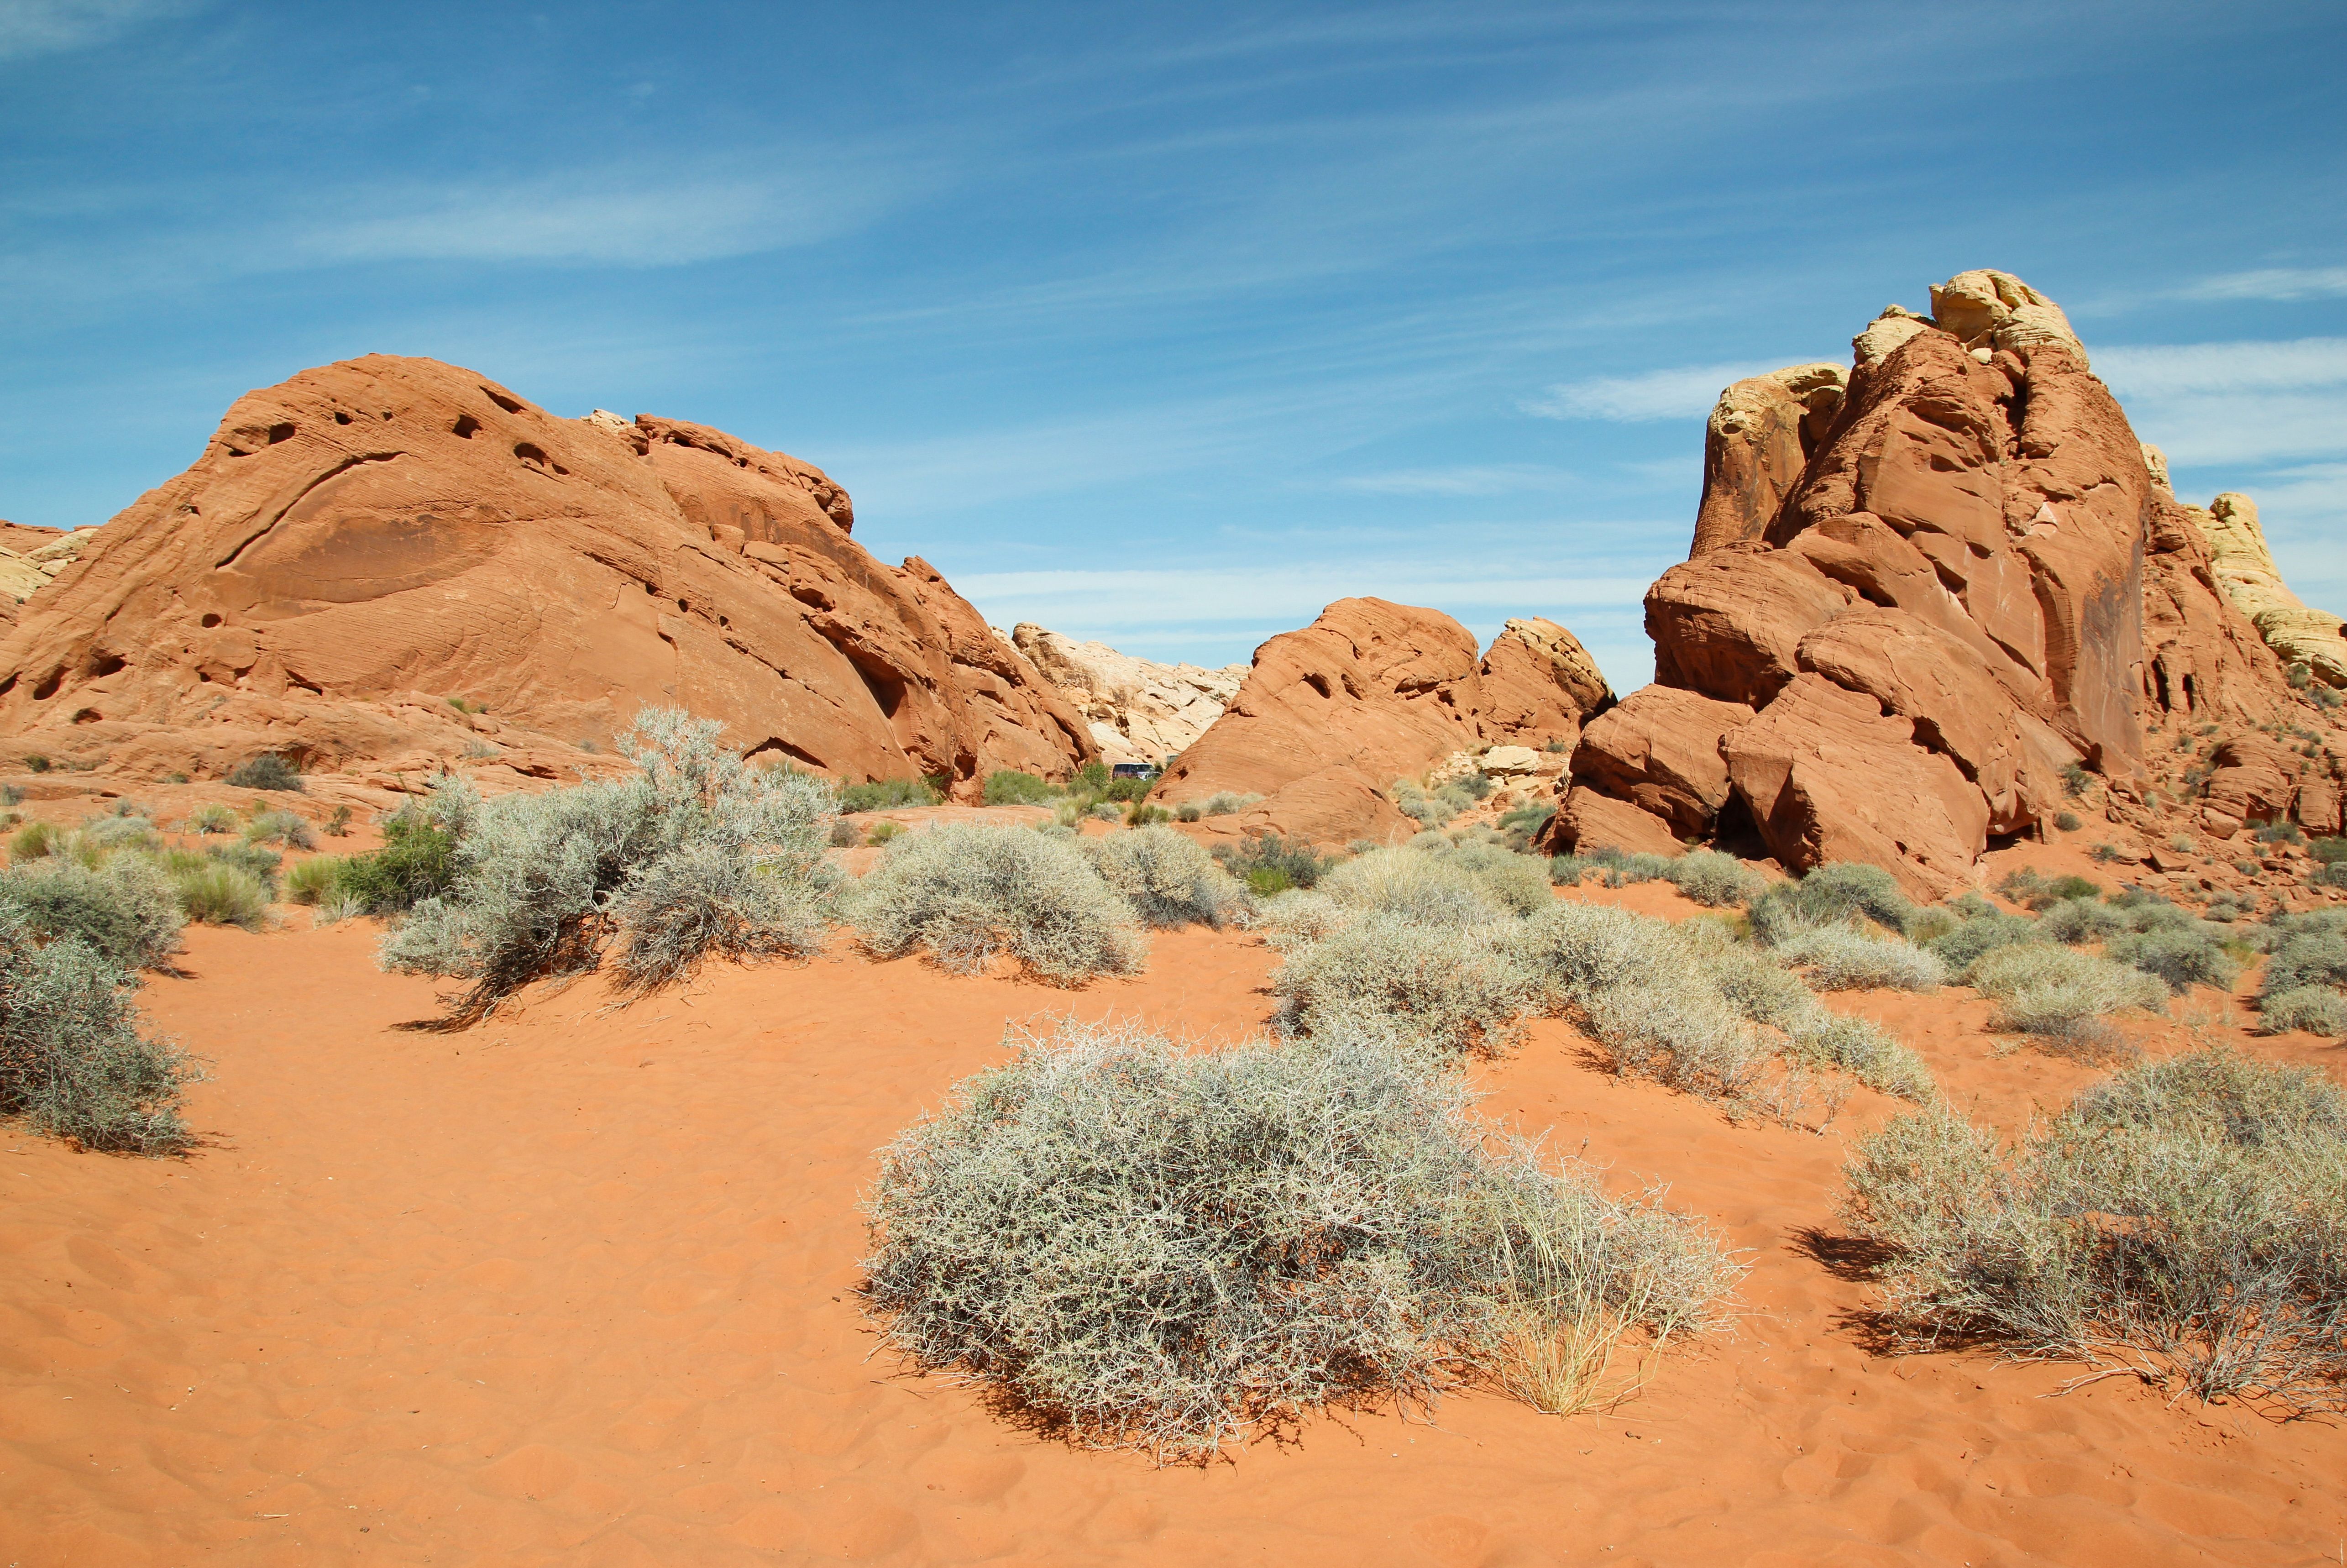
(576, 1286)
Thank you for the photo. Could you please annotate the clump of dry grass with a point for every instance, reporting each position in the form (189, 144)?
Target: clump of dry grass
(1165, 1250)
(965, 894)
(2184, 1219)
(2060, 995)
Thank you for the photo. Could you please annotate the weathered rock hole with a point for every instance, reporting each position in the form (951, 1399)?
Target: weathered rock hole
(208, 621)
(774, 744)
(48, 688)
(465, 426)
(340, 417)
(530, 452)
(501, 400)
(281, 431)
(104, 664)
(86, 716)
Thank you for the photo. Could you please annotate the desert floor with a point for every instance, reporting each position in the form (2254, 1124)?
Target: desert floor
(578, 1287)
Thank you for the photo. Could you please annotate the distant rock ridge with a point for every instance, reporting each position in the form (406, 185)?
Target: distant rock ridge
(2245, 568)
(1139, 711)
(1918, 594)
(368, 555)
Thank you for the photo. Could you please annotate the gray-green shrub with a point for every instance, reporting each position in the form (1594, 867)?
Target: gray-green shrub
(125, 912)
(1456, 987)
(699, 853)
(1712, 878)
(966, 892)
(73, 1063)
(281, 827)
(2185, 1218)
(1168, 878)
(217, 893)
(1008, 786)
(2317, 1010)
(1165, 1250)
(1840, 893)
(1430, 888)
(269, 772)
(2060, 993)
(1838, 959)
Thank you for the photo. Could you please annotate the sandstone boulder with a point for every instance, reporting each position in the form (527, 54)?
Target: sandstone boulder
(1139, 711)
(1660, 750)
(1330, 715)
(374, 540)
(1590, 820)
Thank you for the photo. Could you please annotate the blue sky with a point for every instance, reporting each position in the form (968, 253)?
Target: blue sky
(1167, 324)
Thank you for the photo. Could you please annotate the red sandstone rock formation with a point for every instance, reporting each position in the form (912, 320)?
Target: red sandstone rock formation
(1970, 582)
(369, 540)
(1329, 717)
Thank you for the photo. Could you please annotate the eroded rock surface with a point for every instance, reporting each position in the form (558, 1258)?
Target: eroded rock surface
(370, 541)
(1140, 710)
(1966, 580)
(2245, 568)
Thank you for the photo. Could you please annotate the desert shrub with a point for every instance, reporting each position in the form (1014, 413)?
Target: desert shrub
(338, 821)
(217, 893)
(1524, 824)
(262, 864)
(888, 794)
(11, 795)
(2059, 993)
(2281, 831)
(1226, 803)
(2307, 954)
(1141, 813)
(966, 894)
(418, 858)
(2183, 955)
(125, 912)
(1168, 879)
(1839, 893)
(1962, 948)
(1865, 1050)
(212, 817)
(1291, 919)
(316, 880)
(1189, 810)
(2081, 920)
(72, 1060)
(2075, 778)
(1456, 987)
(2184, 1218)
(1841, 960)
(844, 835)
(1710, 877)
(2066, 822)
(1008, 786)
(1518, 882)
(2328, 851)
(2317, 1010)
(1567, 870)
(32, 841)
(701, 853)
(1165, 1250)
(1645, 997)
(281, 827)
(2330, 875)
(106, 835)
(1269, 864)
(1430, 889)
(267, 771)
(882, 832)
(1433, 809)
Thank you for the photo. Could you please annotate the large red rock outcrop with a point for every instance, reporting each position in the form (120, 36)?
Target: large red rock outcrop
(1659, 750)
(370, 543)
(1970, 582)
(1330, 715)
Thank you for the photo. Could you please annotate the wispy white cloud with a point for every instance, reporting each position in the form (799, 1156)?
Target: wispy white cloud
(1685, 393)
(2270, 283)
(1469, 479)
(2164, 370)
(2233, 402)
(50, 27)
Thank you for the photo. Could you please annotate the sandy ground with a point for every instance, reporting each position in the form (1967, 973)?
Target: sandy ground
(577, 1286)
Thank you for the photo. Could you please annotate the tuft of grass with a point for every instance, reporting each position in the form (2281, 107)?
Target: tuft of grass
(317, 880)
(418, 858)
(882, 832)
(1841, 960)
(2181, 1220)
(2317, 1010)
(1163, 1250)
(212, 817)
(1456, 988)
(1710, 877)
(216, 893)
(1428, 888)
(2066, 822)
(282, 828)
(1837, 894)
(967, 894)
(268, 771)
(1275, 860)
(845, 835)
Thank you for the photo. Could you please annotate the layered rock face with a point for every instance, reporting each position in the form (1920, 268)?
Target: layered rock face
(30, 559)
(367, 541)
(1329, 717)
(1139, 711)
(1970, 583)
(2298, 633)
